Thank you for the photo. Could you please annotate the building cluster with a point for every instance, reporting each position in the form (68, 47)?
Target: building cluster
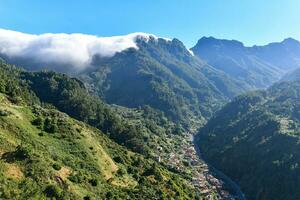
(186, 157)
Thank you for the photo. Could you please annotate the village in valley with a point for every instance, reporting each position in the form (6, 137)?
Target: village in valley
(179, 154)
(186, 160)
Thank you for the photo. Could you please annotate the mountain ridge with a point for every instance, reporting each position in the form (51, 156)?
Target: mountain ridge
(256, 66)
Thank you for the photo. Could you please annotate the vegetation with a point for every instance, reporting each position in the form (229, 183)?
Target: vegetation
(69, 95)
(161, 92)
(253, 67)
(255, 138)
(142, 129)
(164, 75)
(46, 154)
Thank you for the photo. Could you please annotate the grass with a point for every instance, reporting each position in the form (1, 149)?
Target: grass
(75, 162)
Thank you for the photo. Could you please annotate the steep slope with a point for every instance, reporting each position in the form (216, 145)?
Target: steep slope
(292, 75)
(72, 160)
(249, 65)
(144, 130)
(70, 96)
(255, 140)
(164, 75)
(285, 55)
(45, 154)
(133, 70)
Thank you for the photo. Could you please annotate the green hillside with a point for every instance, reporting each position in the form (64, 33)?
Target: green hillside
(70, 96)
(123, 127)
(255, 140)
(47, 154)
(164, 75)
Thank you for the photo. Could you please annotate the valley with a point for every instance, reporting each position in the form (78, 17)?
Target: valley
(148, 119)
(178, 153)
(234, 189)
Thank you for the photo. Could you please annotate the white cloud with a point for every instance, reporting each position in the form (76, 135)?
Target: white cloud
(76, 50)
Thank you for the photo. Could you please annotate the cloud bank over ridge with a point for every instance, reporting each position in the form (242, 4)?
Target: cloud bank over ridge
(76, 50)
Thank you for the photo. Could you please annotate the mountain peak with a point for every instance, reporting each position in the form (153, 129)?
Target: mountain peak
(211, 41)
(207, 40)
(144, 36)
(290, 41)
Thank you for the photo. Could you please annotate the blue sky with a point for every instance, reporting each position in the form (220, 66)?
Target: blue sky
(250, 21)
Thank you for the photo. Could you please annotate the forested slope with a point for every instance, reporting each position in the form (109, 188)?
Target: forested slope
(47, 154)
(255, 140)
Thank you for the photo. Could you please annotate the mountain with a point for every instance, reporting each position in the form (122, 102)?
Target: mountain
(255, 140)
(164, 75)
(134, 70)
(144, 129)
(46, 154)
(138, 98)
(255, 67)
(285, 55)
(291, 76)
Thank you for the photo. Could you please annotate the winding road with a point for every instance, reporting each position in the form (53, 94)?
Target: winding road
(240, 195)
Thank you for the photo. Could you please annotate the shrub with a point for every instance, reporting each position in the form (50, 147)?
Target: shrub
(93, 182)
(87, 198)
(118, 159)
(38, 122)
(121, 171)
(52, 191)
(56, 166)
(4, 113)
(109, 195)
(76, 178)
(50, 126)
(41, 134)
(21, 153)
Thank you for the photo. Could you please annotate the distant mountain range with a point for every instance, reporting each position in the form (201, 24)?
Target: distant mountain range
(292, 75)
(257, 66)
